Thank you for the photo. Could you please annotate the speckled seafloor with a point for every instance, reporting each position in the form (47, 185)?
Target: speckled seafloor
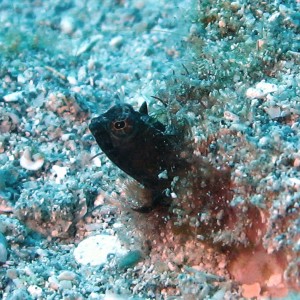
(230, 68)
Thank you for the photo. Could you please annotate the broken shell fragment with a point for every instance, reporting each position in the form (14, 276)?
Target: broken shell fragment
(13, 97)
(31, 163)
(261, 90)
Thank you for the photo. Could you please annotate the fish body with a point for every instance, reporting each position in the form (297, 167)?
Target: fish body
(138, 145)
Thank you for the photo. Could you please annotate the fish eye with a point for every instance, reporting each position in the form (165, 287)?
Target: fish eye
(119, 125)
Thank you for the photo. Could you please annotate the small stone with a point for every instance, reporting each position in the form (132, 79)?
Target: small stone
(12, 273)
(67, 25)
(82, 74)
(53, 283)
(72, 80)
(264, 142)
(294, 182)
(35, 291)
(13, 97)
(95, 249)
(116, 41)
(273, 111)
(238, 127)
(274, 280)
(230, 116)
(95, 296)
(222, 264)
(99, 200)
(18, 283)
(219, 295)
(296, 162)
(65, 137)
(173, 195)
(59, 172)
(65, 285)
(261, 90)
(163, 175)
(274, 16)
(21, 79)
(222, 24)
(88, 44)
(251, 290)
(172, 267)
(235, 5)
(66, 275)
(260, 43)
(42, 252)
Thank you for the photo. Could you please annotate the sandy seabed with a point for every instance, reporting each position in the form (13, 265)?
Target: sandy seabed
(230, 70)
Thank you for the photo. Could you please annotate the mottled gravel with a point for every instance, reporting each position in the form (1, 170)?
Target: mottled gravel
(229, 71)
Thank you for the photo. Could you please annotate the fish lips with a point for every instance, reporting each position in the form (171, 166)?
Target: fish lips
(98, 124)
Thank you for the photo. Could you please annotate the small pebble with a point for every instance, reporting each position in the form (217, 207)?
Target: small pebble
(12, 273)
(72, 80)
(35, 291)
(261, 90)
(172, 267)
(95, 296)
(42, 252)
(65, 285)
(66, 275)
(67, 25)
(238, 127)
(294, 182)
(230, 116)
(18, 283)
(21, 79)
(251, 290)
(59, 172)
(273, 111)
(53, 283)
(94, 250)
(116, 41)
(264, 142)
(296, 162)
(13, 97)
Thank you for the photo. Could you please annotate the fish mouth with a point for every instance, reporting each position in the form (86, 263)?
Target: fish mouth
(97, 124)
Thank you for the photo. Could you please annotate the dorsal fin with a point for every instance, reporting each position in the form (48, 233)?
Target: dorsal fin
(144, 108)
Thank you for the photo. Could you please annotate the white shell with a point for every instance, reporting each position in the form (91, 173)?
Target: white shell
(95, 249)
(28, 163)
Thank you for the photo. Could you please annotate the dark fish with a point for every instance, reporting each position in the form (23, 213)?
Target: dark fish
(138, 145)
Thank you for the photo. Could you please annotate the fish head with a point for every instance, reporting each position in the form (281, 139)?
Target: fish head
(118, 126)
